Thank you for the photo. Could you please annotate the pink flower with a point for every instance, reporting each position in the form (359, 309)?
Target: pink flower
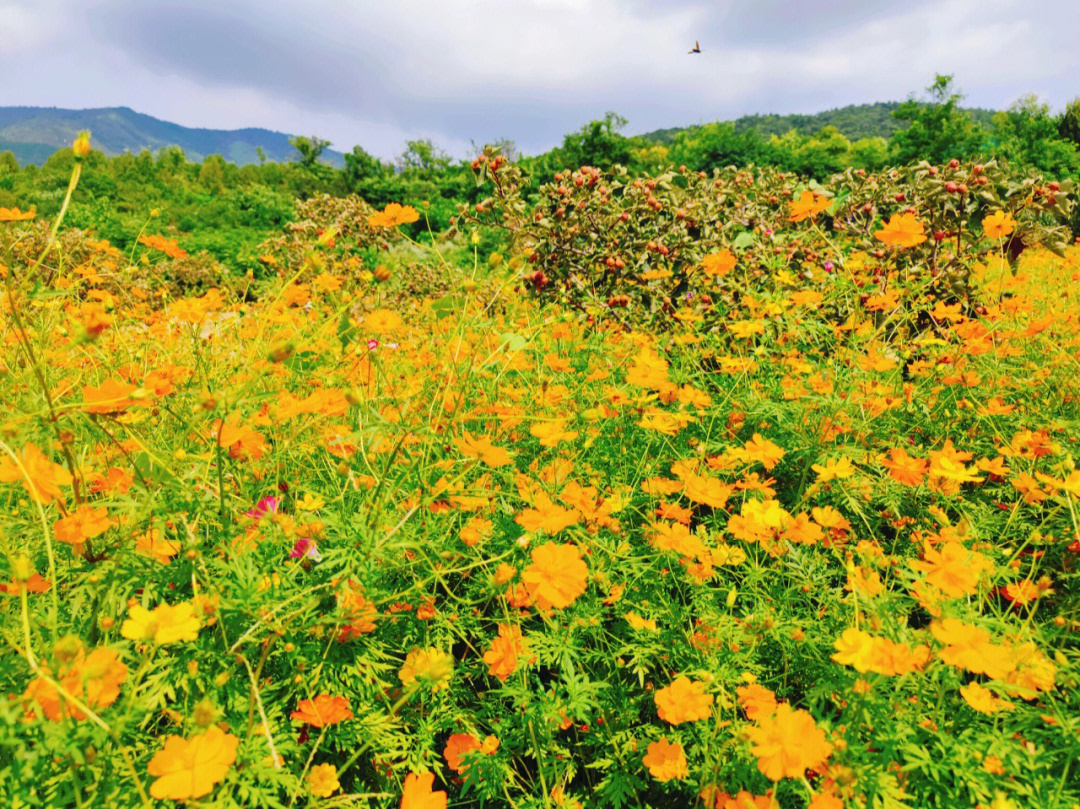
(305, 548)
(268, 505)
(372, 344)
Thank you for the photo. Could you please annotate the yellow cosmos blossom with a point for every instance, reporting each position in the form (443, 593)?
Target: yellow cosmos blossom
(162, 625)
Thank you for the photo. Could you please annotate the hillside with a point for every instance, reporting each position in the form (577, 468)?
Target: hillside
(33, 133)
(854, 121)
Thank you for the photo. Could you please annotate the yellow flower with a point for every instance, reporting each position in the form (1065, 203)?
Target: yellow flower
(187, 769)
(998, 224)
(834, 469)
(393, 215)
(983, 700)
(322, 780)
(162, 625)
(430, 667)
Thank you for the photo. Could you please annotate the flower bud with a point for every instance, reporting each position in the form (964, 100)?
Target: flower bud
(81, 146)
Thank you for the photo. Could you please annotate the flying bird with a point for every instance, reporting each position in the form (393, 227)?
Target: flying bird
(697, 48)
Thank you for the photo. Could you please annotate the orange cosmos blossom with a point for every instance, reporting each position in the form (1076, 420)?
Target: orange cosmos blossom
(393, 215)
(998, 224)
(187, 769)
(556, 576)
(666, 761)
(167, 246)
(902, 230)
(15, 215)
(242, 442)
(714, 798)
(952, 568)
(108, 398)
(683, 701)
(807, 206)
(505, 649)
(40, 477)
(459, 744)
(756, 700)
(322, 711)
(417, 793)
(85, 523)
(94, 679)
(719, 263)
(788, 743)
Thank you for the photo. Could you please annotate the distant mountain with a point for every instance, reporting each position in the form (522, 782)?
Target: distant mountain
(854, 121)
(34, 133)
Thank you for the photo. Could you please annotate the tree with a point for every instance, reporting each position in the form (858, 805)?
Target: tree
(937, 129)
(598, 144)
(1069, 122)
(422, 155)
(715, 146)
(212, 174)
(1028, 136)
(309, 149)
(8, 164)
(260, 154)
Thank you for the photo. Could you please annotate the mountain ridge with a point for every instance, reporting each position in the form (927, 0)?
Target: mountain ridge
(34, 133)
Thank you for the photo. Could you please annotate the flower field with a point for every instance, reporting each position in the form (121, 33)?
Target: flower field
(777, 507)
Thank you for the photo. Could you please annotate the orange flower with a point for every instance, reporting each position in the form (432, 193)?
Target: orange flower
(393, 215)
(94, 679)
(417, 793)
(547, 516)
(86, 522)
(683, 701)
(905, 469)
(109, 397)
(665, 760)
(503, 655)
(15, 215)
(902, 230)
(151, 543)
(461, 743)
(187, 769)
(359, 613)
(40, 477)
(954, 569)
(998, 224)
(807, 206)
(787, 743)
(242, 441)
(166, 246)
(322, 711)
(719, 263)
(756, 700)
(557, 575)
(481, 448)
(762, 451)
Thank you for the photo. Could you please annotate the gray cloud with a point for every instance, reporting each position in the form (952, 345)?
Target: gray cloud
(375, 73)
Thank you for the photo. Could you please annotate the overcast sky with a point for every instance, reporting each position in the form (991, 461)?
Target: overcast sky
(378, 73)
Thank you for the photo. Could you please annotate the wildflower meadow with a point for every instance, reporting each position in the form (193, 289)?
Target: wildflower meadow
(729, 489)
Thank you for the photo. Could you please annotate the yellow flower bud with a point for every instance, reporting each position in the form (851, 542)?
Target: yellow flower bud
(81, 146)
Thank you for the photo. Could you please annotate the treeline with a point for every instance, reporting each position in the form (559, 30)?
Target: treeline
(228, 210)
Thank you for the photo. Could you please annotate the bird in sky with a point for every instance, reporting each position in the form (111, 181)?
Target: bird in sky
(697, 48)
